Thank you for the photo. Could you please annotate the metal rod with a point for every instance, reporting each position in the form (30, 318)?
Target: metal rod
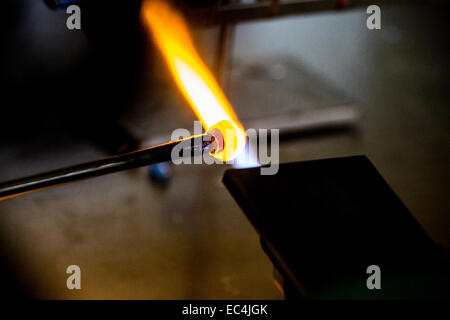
(238, 13)
(191, 146)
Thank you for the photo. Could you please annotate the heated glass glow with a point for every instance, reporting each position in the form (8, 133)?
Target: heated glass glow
(193, 78)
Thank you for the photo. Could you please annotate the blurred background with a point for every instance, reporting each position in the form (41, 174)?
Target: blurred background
(332, 86)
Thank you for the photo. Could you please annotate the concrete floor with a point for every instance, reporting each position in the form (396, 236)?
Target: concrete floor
(133, 239)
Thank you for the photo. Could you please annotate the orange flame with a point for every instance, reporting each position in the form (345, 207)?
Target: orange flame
(192, 76)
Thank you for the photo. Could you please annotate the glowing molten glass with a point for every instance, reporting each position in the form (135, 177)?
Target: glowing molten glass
(193, 77)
